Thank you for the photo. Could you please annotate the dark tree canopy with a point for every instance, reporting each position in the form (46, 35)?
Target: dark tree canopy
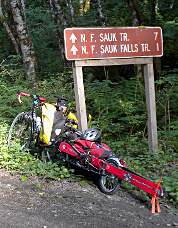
(44, 21)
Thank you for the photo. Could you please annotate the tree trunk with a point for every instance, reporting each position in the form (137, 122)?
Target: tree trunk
(81, 7)
(26, 45)
(172, 4)
(101, 15)
(137, 15)
(134, 21)
(71, 10)
(154, 7)
(55, 7)
(9, 33)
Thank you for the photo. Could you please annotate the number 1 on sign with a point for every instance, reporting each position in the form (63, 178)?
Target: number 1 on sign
(157, 45)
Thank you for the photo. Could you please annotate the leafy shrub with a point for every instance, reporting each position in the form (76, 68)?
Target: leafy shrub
(117, 109)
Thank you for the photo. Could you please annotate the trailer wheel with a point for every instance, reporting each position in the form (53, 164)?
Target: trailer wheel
(108, 183)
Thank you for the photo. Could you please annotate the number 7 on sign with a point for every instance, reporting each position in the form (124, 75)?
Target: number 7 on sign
(156, 35)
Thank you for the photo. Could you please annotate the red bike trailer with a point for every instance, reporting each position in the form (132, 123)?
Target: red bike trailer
(122, 172)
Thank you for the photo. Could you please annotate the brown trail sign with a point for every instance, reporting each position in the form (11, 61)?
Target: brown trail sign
(115, 46)
(102, 43)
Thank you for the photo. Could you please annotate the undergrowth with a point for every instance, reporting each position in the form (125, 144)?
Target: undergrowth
(23, 162)
(149, 165)
(118, 110)
(152, 166)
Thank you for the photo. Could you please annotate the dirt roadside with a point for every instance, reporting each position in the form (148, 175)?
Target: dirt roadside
(52, 204)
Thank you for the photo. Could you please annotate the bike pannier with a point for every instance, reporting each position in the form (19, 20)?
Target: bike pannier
(52, 124)
(98, 150)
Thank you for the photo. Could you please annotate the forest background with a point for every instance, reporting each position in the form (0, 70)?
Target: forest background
(32, 60)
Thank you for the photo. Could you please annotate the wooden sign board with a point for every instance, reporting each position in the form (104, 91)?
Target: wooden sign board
(119, 42)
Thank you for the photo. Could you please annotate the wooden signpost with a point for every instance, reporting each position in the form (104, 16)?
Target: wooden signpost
(115, 46)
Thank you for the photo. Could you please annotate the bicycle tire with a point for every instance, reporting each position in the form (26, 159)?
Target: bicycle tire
(108, 183)
(20, 131)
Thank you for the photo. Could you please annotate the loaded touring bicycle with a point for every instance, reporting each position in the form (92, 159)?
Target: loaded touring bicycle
(83, 149)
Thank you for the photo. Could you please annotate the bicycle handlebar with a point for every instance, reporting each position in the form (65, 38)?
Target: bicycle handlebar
(71, 127)
(28, 95)
(61, 98)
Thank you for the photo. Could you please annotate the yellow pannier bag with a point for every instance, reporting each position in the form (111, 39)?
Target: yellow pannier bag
(52, 124)
(72, 116)
(48, 111)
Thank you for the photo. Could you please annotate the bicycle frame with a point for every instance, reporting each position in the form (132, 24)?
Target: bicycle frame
(33, 123)
(32, 112)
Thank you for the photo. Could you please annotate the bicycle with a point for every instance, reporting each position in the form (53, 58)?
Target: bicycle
(82, 149)
(26, 125)
(26, 128)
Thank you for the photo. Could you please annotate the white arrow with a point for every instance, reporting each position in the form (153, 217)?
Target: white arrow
(74, 49)
(73, 38)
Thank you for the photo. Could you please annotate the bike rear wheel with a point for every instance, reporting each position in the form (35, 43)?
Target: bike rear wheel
(109, 183)
(20, 131)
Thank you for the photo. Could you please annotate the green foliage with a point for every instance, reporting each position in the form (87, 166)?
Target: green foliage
(23, 162)
(18, 161)
(45, 43)
(115, 97)
(119, 111)
(5, 44)
(157, 165)
(24, 178)
(167, 108)
(12, 79)
(9, 105)
(150, 165)
(117, 107)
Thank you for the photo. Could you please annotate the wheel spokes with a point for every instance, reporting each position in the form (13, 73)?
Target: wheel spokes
(110, 182)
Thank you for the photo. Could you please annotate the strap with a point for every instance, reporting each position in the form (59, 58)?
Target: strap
(106, 152)
(91, 144)
(88, 151)
(87, 148)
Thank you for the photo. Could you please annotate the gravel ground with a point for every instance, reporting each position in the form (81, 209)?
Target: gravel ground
(53, 204)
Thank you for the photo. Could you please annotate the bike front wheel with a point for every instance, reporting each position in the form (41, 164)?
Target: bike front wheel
(21, 131)
(108, 182)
